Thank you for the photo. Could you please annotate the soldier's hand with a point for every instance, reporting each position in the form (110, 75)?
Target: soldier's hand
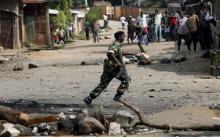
(119, 65)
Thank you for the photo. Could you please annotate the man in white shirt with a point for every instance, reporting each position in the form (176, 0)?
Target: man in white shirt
(105, 17)
(157, 26)
(182, 31)
(123, 19)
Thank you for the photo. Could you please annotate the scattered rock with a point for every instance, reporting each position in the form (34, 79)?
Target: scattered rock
(215, 106)
(151, 96)
(3, 60)
(107, 37)
(9, 130)
(165, 61)
(124, 118)
(205, 77)
(85, 124)
(25, 131)
(66, 125)
(31, 66)
(18, 67)
(166, 89)
(114, 128)
(97, 112)
(90, 125)
(97, 62)
(152, 90)
(43, 127)
(35, 130)
(179, 57)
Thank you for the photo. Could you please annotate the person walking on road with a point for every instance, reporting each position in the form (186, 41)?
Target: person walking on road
(87, 26)
(113, 68)
(96, 29)
(123, 19)
(157, 26)
(182, 31)
(193, 25)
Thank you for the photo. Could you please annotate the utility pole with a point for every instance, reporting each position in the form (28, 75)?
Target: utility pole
(86, 3)
(122, 2)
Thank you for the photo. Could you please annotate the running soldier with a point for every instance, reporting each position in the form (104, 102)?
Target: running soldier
(113, 68)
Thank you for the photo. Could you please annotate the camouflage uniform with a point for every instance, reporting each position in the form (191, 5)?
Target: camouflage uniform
(110, 72)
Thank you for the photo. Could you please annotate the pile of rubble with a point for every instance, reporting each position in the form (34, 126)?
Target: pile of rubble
(91, 121)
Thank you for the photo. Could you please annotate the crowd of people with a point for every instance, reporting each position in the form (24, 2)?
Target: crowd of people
(191, 25)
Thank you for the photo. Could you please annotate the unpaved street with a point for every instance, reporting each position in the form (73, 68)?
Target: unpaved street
(61, 82)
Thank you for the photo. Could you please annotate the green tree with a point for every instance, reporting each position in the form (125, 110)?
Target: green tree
(65, 6)
(65, 16)
(60, 20)
(93, 14)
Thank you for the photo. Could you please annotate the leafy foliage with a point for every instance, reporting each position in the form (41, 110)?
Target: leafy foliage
(93, 14)
(65, 16)
(60, 20)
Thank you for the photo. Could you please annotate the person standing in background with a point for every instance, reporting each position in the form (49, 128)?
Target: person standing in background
(157, 26)
(87, 27)
(123, 19)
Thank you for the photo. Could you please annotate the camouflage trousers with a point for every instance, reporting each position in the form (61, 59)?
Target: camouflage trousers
(107, 76)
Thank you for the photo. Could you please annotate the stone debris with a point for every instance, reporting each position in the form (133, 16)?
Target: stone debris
(89, 121)
(152, 90)
(31, 66)
(124, 118)
(25, 131)
(90, 125)
(9, 130)
(96, 62)
(18, 67)
(215, 106)
(114, 128)
(3, 59)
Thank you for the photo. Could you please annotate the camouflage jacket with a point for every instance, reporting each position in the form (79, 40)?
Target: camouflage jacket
(116, 49)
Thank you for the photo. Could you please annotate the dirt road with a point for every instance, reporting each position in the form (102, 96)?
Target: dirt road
(61, 83)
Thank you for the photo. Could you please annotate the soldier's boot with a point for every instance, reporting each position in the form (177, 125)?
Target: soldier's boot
(117, 96)
(88, 100)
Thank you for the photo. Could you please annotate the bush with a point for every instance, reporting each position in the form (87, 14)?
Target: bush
(60, 20)
(93, 14)
(81, 36)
